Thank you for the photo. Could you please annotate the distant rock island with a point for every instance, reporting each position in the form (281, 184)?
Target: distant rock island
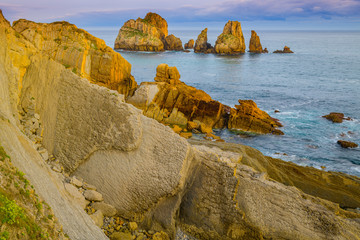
(285, 50)
(255, 44)
(148, 34)
(231, 40)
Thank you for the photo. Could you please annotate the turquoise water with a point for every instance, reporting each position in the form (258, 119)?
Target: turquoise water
(322, 76)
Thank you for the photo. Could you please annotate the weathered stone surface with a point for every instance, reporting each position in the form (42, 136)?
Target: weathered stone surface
(98, 218)
(173, 43)
(247, 116)
(76, 182)
(335, 117)
(157, 21)
(285, 50)
(231, 41)
(121, 236)
(201, 44)
(347, 144)
(93, 195)
(167, 74)
(105, 208)
(82, 53)
(189, 44)
(255, 44)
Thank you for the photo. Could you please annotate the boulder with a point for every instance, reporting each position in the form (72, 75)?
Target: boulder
(255, 45)
(248, 117)
(335, 117)
(167, 74)
(285, 50)
(173, 43)
(81, 53)
(98, 218)
(347, 144)
(201, 44)
(106, 209)
(93, 195)
(189, 44)
(231, 40)
(76, 195)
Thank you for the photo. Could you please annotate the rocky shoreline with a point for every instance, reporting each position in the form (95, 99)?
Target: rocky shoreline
(78, 140)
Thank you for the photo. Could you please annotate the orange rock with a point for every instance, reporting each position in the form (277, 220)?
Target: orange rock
(255, 44)
(231, 41)
(189, 44)
(157, 21)
(177, 129)
(186, 135)
(167, 74)
(201, 44)
(173, 43)
(285, 50)
(192, 125)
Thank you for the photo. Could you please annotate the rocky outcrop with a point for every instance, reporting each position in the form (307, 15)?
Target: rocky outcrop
(189, 44)
(171, 101)
(80, 52)
(285, 50)
(255, 44)
(247, 116)
(231, 41)
(173, 43)
(201, 44)
(148, 34)
(347, 144)
(335, 117)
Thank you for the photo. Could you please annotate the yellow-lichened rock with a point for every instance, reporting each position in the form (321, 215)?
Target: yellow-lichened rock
(86, 55)
(231, 41)
(255, 44)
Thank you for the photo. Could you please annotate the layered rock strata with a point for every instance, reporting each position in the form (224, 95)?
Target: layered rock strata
(171, 101)
(201, 44)
(255, 44)
(148, 34)
(231, 40)
(80, 52)
(189, 44)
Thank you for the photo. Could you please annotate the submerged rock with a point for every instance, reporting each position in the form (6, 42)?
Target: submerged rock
(347, 144)
(255, 44)
(335, 117)
(285, 50)
(189, 44)
(201, 44)
(231, 41)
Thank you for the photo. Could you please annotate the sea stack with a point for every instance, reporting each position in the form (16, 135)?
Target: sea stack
(231, 41)
(189, 44)
(173, 43)
(255, 44)
(285, 50)
(201, 44)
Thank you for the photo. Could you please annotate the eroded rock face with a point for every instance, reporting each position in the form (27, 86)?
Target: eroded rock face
(189, 44)
(82, 53)
(231, 41)
(285, 50)
(247, 116)
(255, 44)
(173, 43)
(201, 44)
(167, 74)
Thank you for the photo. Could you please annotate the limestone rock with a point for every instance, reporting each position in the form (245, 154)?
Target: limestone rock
(201, 44)
(133, 226)
(231, 41)
(255, 44)
(189, 44)
(76, 182)
(347, 144)
(248, 117)
(173, 43)
(106, 209)
(93, 195)
(80, 52)
(285, 50)
(167, 74)
(157, 21)
(121, 236)
(98, 218)
(76, 195)
(335, 117)
(161, 236)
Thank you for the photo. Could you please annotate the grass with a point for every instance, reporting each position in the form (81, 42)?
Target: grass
(66, 65)
(130, 32)
(3, 154)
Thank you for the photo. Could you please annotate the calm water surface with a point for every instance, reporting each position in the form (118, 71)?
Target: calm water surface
(322, 76)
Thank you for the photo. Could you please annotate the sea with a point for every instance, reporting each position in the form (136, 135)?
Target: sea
(322, 76)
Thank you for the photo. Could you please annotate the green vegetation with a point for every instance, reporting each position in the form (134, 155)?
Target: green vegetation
(66, 65)
(131, 32)
(17, 34)
(93, 46)
(74, 70)
(3, 154)
(57, 40)
(4, 235)
(66, 47)
(10, 212)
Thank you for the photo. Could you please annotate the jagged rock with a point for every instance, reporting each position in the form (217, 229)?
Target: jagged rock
(173, 43)
(76, 195)
(80, 52)
(133, 226)
(285, 50)
(106, 209)
(255, 44)
(98, 218)
(335, 117)
(157, 21)
(231, 41)
(76, 182)
(247, 116)
(347, 144)
(189, 44)
(201, 44)
(167, 74)
(93, 195)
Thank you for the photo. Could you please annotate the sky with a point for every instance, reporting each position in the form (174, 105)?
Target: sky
(274, 14)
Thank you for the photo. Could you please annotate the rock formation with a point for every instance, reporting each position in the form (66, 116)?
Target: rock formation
(171, 101)
(148, 34)
(152, 176)
(335, 117)
(173, 43)
(201, 44)
(231, 41)
(347, 144)
(82, 53)
(255, 44)
(189, 44)
(285, 50)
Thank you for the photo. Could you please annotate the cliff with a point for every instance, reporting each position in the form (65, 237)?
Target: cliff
(148, 34)
(147, 172)
(231, 40)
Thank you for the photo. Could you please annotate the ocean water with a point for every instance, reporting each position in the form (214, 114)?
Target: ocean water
(322, 76)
